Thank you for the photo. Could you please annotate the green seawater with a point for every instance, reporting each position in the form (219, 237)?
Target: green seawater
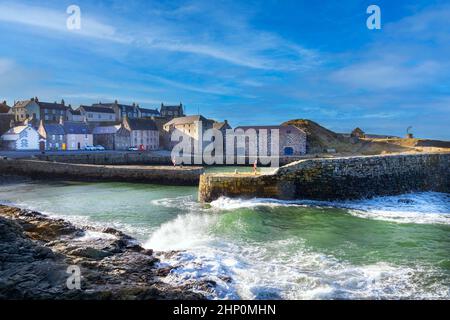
(384, 248)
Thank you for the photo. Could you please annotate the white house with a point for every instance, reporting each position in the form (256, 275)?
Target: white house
(21, 138)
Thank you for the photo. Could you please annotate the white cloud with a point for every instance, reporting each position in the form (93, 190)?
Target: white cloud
(55, 20)
(232, 42)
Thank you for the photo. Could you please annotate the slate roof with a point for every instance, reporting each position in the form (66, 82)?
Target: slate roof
(16, 130)
(122, 107)
(142, 124)
(98, 109)
(171, 108)
(219, 125)
(22, 104)
(55, 106)
(71, 127)
(75, 112)
(151, 111)
(187, 120)
(53, 128)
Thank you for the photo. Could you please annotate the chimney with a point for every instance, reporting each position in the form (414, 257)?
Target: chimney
(63, 102)
(134, 104)
(226, 121)
(36, 99)
(61, 120)
(116, 102)
(4, 102)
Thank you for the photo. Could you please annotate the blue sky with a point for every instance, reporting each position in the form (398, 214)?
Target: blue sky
(250, 62)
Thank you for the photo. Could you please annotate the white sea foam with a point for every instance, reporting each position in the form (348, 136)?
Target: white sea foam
(265, 272)
(184, 232)
(421, 208)
(282, 269)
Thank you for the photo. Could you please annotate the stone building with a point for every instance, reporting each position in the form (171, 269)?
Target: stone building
(52, 112)
(54, 135)
(26, 109)
(114, 137)
(191, 126)
(291, 142)
(74, 115)
(6, 118)
(172, 111)
(121, 110)
(143, 133)
(148, 113)
(97, 114)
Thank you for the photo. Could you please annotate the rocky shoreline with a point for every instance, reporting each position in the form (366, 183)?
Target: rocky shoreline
(36, 253)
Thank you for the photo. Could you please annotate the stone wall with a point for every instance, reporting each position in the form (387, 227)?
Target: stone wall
(338, 178)
(125, 158)
(109, 158)
(85, 172)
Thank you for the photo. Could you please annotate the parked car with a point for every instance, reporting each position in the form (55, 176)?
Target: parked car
(89, 148)
(100, 148)
(133, 149)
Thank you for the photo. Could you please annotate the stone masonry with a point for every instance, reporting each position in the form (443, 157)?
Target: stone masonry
(338, 178)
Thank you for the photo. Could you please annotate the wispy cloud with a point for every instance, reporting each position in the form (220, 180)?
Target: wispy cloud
(240, 45)
(55, 20)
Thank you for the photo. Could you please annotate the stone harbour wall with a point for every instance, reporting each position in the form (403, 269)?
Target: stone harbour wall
(337, 178)
(85, 172)
(108, 158)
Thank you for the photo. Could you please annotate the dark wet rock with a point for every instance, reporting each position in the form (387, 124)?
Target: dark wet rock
(36, 251)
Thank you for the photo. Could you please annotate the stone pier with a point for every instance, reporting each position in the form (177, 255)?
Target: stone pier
(337, 178)
(36, 169)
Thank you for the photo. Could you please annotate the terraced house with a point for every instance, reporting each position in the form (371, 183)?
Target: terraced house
(52, 112)
(121, 110)
(78, 135)
(54, 135)
(143, 133)
(97, 114)
(172, 111)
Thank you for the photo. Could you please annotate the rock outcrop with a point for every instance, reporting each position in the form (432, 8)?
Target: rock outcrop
(36, 253)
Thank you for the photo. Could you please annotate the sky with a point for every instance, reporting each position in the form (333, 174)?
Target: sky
(249, 62)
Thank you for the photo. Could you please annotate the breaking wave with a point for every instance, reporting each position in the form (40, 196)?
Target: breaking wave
(421, 208)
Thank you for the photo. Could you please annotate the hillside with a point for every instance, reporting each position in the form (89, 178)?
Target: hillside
(319, 139)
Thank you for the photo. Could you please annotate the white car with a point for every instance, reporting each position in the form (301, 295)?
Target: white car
(89, 148)
(133, 149)
(100, 148)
